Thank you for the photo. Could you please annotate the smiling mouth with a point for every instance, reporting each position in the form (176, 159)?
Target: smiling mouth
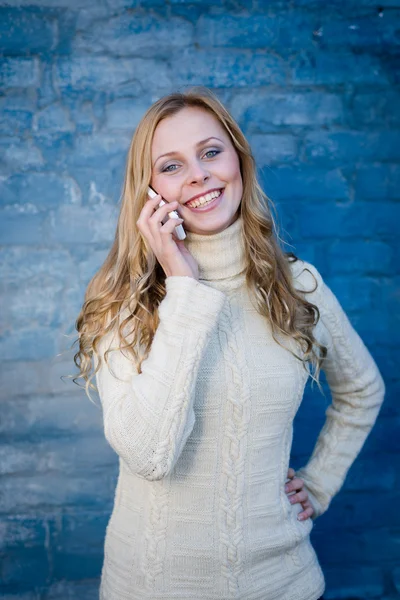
(204, 200)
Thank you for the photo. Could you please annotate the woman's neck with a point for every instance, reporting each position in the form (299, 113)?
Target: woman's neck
(220, 256)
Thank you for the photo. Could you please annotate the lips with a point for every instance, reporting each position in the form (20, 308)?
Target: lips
(209, 206)
(204, 194)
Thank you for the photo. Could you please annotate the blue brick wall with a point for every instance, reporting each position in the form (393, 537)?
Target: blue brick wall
(316, 87)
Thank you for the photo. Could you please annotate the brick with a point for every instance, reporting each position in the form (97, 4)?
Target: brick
(91, 264)
(32, 303)
(266, 110)
(100, 149)
(19, 100)
(82, 114)
(372, 325)
(19, 73)
(22, 532)
(42, 190)
(19, 155)
(135, 34)
(378, 182)
(353, 511)
(26, 31)
(20, 264)
(364, 477)
(98, 12)
(39, 416)
(55, 146)
(293, 183)
(375, 109)
(355, 582)
(125, 113)
(363, 6)
(390, 406)
(46, 93)
(307, 250)
(53, 118)
(326, 220)
(24, 568)
(21, 596)
(78, 545)
(69, 456)
(255, 31)
(274, 148)
(203, 3)
(355, 256)
(83, 225)
(356, 292)
(55, 3)
(368, 32)
(383, 437)
(350, 146)
(45, 492)
(396, 578)
(71, 590)
(15, 121)
(387, 355)
(323, 68)
(20, 377)
(234, 68)
(356, 547)
(20, 227)
(28, 344)
(89, 75)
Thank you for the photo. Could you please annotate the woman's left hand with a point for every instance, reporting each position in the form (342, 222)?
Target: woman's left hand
(300, 496)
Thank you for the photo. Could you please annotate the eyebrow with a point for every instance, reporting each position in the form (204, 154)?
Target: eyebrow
(174, 152)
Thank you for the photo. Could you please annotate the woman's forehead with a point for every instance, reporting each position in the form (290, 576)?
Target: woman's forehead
(185, 129)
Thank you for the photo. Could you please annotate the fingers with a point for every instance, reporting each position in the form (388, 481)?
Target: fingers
(151, 217)
(294, 485)
(307, 512)
(299, 497)
(147, 210)
(160, 213)
(170, 226)
(291, 473)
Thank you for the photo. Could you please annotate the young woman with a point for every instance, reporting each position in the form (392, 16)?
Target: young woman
(202, 349)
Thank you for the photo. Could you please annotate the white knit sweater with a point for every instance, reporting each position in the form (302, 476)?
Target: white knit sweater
(204, 436)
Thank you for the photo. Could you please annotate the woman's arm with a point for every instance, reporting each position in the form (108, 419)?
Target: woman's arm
(357, 390)
(148, 417)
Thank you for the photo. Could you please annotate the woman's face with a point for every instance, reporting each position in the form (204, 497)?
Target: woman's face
(201, 160)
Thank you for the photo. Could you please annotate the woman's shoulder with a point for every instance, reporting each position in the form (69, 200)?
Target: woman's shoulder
(305, 276)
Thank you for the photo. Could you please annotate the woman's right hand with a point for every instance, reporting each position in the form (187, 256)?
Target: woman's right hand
(170, 252)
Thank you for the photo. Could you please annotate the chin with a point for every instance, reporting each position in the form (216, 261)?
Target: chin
(212, 227)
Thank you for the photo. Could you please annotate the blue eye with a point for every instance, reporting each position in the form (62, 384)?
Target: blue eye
(171, 168)
(213, 152)
(167, 169)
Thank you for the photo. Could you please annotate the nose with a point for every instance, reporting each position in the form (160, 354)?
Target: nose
(197, 173)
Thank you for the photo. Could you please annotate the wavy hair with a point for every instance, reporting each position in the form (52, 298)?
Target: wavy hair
(124, 295)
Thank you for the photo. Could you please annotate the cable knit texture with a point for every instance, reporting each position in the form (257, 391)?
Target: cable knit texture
(204, 436)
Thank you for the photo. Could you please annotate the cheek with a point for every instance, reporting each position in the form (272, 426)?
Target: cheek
(166, 187)
(232, 169)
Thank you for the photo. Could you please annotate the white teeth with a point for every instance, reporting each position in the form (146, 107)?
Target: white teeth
(204, 199)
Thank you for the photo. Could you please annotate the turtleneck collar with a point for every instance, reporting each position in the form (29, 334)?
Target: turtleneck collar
(220, 256)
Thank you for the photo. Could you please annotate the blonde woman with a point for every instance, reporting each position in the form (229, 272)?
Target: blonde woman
(201, 352)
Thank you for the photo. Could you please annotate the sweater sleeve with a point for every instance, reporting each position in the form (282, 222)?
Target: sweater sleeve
(357, 391)
(148, 417)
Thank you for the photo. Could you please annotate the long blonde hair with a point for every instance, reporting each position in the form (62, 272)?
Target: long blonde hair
(125, 293)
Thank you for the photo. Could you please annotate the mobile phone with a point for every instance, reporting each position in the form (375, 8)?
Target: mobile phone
(179, 231)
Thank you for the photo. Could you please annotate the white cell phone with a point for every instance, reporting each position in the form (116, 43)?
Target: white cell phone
(179, 231)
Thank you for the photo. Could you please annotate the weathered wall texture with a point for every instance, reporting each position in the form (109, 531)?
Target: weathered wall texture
(315, 86)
